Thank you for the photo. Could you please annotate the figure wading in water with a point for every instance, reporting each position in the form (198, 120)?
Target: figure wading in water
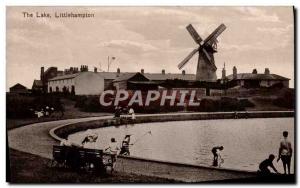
(217, 155)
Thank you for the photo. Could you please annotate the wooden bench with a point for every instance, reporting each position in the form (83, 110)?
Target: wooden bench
(88, 160)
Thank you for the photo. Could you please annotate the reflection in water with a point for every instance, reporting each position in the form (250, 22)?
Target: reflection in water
(246, 142)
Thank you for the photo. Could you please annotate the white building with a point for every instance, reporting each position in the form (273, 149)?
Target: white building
(81, 83)
(93, 83)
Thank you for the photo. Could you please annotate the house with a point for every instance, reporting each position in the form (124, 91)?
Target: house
(41, 85)
(37, 86)
(81, 83)
(85, 82)
(134, 81)
(163, 76)
(255, 80)
(18, 89)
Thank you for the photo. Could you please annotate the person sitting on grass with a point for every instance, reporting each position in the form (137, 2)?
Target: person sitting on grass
(265, 164)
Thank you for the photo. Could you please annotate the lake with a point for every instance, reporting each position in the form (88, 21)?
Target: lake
(246, 141)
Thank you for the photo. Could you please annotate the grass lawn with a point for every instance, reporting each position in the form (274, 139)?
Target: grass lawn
(70, 113)
(28, 168)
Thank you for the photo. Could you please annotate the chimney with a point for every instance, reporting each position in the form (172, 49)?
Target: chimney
(42, 73)
(223, 72)
(234, 73)
(267, 71)
(95, 69)
(254, 71)
(183, 72)
(84, 68)
(142, 71)
(118, 72)
(163, 71)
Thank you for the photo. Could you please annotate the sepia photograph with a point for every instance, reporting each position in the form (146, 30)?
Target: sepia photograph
(150, 94)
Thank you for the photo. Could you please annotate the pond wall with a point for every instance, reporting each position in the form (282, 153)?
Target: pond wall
(64, 131)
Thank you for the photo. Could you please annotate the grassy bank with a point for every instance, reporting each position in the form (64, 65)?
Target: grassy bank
(70, 113)
(28, 168)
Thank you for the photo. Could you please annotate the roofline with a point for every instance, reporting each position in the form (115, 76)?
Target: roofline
(134, 73)
(55, 78)
(284, 78)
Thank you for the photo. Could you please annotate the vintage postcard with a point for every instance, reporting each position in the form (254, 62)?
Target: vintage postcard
(172, 94)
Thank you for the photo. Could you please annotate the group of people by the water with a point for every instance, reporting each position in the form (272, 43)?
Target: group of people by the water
(284, 154)
(113, 148)
(127, 110)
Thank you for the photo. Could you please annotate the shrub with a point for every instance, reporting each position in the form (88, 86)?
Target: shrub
(286, 100)
(18, 106)
(208, 105)
(229, 104)
(80, 101)
(245, 103)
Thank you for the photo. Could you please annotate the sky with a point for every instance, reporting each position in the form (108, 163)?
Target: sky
(149, 38)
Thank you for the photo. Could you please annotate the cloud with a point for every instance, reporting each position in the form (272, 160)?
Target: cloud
(145, 37)
(257, 14)
(250, 47)
(277, 31)
(128, 44)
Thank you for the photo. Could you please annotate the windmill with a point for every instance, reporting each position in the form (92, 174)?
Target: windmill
(206, 68)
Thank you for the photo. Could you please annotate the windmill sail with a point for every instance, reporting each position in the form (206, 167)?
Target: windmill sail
(183, 62)
(207, 56)
(194, 33)
(213, 36)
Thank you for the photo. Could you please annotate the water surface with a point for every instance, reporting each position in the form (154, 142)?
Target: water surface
(246, 141)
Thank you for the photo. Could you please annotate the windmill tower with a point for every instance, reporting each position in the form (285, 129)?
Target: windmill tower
(206, 68)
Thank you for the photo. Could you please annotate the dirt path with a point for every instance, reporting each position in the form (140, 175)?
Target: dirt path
(35, 138)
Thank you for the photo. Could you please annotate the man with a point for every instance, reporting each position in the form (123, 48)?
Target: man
(131, 112)
(125, 146)
(113, 149)
(263, 166)
(217, 154)
(285, 152)
(117, 115)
